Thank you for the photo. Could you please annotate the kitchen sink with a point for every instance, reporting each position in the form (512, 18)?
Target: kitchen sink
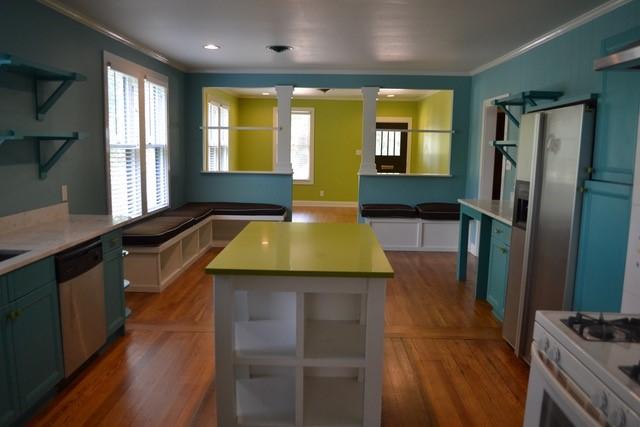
(6, 254)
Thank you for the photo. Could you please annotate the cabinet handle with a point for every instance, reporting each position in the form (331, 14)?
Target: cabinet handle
(125, 253)
(503, 250)
(583, 189)
(14, 314)
(498, 231)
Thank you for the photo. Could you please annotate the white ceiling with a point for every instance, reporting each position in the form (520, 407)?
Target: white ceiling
(342, 94)
(409, 36)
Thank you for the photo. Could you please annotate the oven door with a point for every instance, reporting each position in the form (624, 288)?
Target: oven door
(554, 400)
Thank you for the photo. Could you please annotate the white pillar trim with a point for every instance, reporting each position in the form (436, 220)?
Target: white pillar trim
(283, 152)
(368, 162)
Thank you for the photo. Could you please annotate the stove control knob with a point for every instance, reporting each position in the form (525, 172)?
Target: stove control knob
(554, 354)
(545, 344)
(600, 401)
(617, 418)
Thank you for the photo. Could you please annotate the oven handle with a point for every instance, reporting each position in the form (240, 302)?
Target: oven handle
(570, 393)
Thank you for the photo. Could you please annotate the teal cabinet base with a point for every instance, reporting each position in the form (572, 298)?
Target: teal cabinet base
(498, 272)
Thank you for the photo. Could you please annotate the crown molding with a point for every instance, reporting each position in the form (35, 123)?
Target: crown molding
(589, 16)
(94, 25)
(298, 71)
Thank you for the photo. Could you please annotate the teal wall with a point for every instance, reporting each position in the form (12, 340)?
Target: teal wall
(566, 64)
(37, 33)
(378, 189)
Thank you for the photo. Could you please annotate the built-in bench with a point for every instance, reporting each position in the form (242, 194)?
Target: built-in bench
(164, 245)
(425, 227)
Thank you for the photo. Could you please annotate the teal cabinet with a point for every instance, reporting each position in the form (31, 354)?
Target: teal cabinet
(498, 267)
(34, 324)
(9, 406)
(602, 247)
(113, 281)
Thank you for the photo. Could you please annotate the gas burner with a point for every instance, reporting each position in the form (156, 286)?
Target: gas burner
(632, 371)
(591, 329)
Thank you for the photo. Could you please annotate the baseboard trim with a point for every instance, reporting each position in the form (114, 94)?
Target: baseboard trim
(325, 203)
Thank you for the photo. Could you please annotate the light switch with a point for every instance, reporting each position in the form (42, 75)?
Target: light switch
(358, 152)
(63, 193)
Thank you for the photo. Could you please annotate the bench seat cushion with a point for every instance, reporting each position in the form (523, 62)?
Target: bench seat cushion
(156, 230)
(246, 209)
(385, 210)
(196, 211)
(439, 211)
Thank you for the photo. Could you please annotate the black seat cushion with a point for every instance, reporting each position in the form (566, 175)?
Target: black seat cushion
(155, 230)
(439, 211)
(246, 209)
(197, 211)
(386, 210)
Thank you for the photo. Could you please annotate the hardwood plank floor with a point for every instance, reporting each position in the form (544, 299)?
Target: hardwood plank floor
(445, 362)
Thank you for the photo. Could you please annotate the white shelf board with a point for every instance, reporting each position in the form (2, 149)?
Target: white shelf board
(331, 401)
(266, 401)
(264, 338)
(334, 339)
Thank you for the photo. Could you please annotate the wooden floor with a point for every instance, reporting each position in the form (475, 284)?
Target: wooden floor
(445, 364)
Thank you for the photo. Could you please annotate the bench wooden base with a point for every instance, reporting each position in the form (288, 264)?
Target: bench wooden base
(415, 234)
(153, 268)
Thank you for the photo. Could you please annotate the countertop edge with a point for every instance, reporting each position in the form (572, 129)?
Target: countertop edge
(36, 255)
(299, 273)
(507, 221)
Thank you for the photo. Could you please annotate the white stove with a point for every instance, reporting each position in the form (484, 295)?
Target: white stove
(576, 377)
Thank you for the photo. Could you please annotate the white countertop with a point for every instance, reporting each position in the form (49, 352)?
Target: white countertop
(502, 210)
(43, 240)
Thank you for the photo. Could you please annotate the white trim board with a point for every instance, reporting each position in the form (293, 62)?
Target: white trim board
(325, 203)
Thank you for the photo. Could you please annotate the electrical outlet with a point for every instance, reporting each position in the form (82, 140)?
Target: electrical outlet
(321, 193)
(64, 194)
(358, 152)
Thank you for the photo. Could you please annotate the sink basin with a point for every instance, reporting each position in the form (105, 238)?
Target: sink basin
(5, 254)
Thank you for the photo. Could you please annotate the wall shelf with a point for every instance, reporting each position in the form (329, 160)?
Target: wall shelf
(501, 146)
(44, 165)
(524, 99)
(41, 73)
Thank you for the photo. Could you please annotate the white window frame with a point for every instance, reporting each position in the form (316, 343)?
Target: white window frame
(205, 148)
(312, 150)
(142, 74)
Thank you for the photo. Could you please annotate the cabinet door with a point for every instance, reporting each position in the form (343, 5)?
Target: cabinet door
(602, 246)
(37, 346)
(114, 293)
(498, 270)
(8, 390)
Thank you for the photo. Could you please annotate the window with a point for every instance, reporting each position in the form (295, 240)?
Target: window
(301, 144)
(138, 164)
(388, 143)
(217, 156)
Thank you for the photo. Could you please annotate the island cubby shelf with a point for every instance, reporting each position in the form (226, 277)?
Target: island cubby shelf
(302, 349)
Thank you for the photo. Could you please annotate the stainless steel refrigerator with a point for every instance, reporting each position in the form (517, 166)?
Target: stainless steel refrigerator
(554, 159)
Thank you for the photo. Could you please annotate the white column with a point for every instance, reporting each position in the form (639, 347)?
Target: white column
(283, 154)
(368, 159)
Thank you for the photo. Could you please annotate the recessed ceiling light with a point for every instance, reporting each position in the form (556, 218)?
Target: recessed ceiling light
(265, 93)
(279, 48)
(211, 46)
(390, 95)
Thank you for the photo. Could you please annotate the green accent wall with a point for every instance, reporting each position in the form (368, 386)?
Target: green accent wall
(432, 151)
(255, 152)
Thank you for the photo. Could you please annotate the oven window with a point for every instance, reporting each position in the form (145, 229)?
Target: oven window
(552, 415)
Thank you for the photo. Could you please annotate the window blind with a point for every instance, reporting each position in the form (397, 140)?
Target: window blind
(218, 139)
(124, 143)
(156, 148)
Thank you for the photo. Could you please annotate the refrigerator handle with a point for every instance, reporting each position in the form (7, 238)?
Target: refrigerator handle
(532, 219)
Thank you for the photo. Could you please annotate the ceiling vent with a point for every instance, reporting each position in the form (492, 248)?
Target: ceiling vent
(279, 48)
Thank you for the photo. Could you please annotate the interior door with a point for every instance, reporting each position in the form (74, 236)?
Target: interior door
(391, 148)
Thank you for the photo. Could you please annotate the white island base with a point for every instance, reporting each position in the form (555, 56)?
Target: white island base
(298, 350)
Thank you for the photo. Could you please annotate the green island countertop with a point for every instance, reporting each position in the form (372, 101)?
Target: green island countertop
(298, 249)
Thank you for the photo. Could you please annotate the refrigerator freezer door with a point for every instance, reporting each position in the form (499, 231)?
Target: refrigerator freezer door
(631, 294)
(554, 203)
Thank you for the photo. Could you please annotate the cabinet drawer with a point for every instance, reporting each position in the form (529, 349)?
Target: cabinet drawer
(112, 242)
(501, 232)
(30, 278)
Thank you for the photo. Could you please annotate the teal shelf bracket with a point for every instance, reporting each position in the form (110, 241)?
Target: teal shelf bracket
(44, 165)
(41, 73)
(523, 100)
(501, 147)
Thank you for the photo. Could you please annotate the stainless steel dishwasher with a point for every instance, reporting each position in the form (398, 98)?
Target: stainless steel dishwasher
(79, 271)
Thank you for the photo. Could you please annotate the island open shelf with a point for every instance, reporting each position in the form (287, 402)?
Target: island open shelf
(299, 318)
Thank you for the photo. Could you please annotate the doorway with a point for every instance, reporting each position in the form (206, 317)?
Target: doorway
(391, 147)
(498, 174)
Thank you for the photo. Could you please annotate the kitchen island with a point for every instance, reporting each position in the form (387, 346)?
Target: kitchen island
(485, 212)
(299, 319)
